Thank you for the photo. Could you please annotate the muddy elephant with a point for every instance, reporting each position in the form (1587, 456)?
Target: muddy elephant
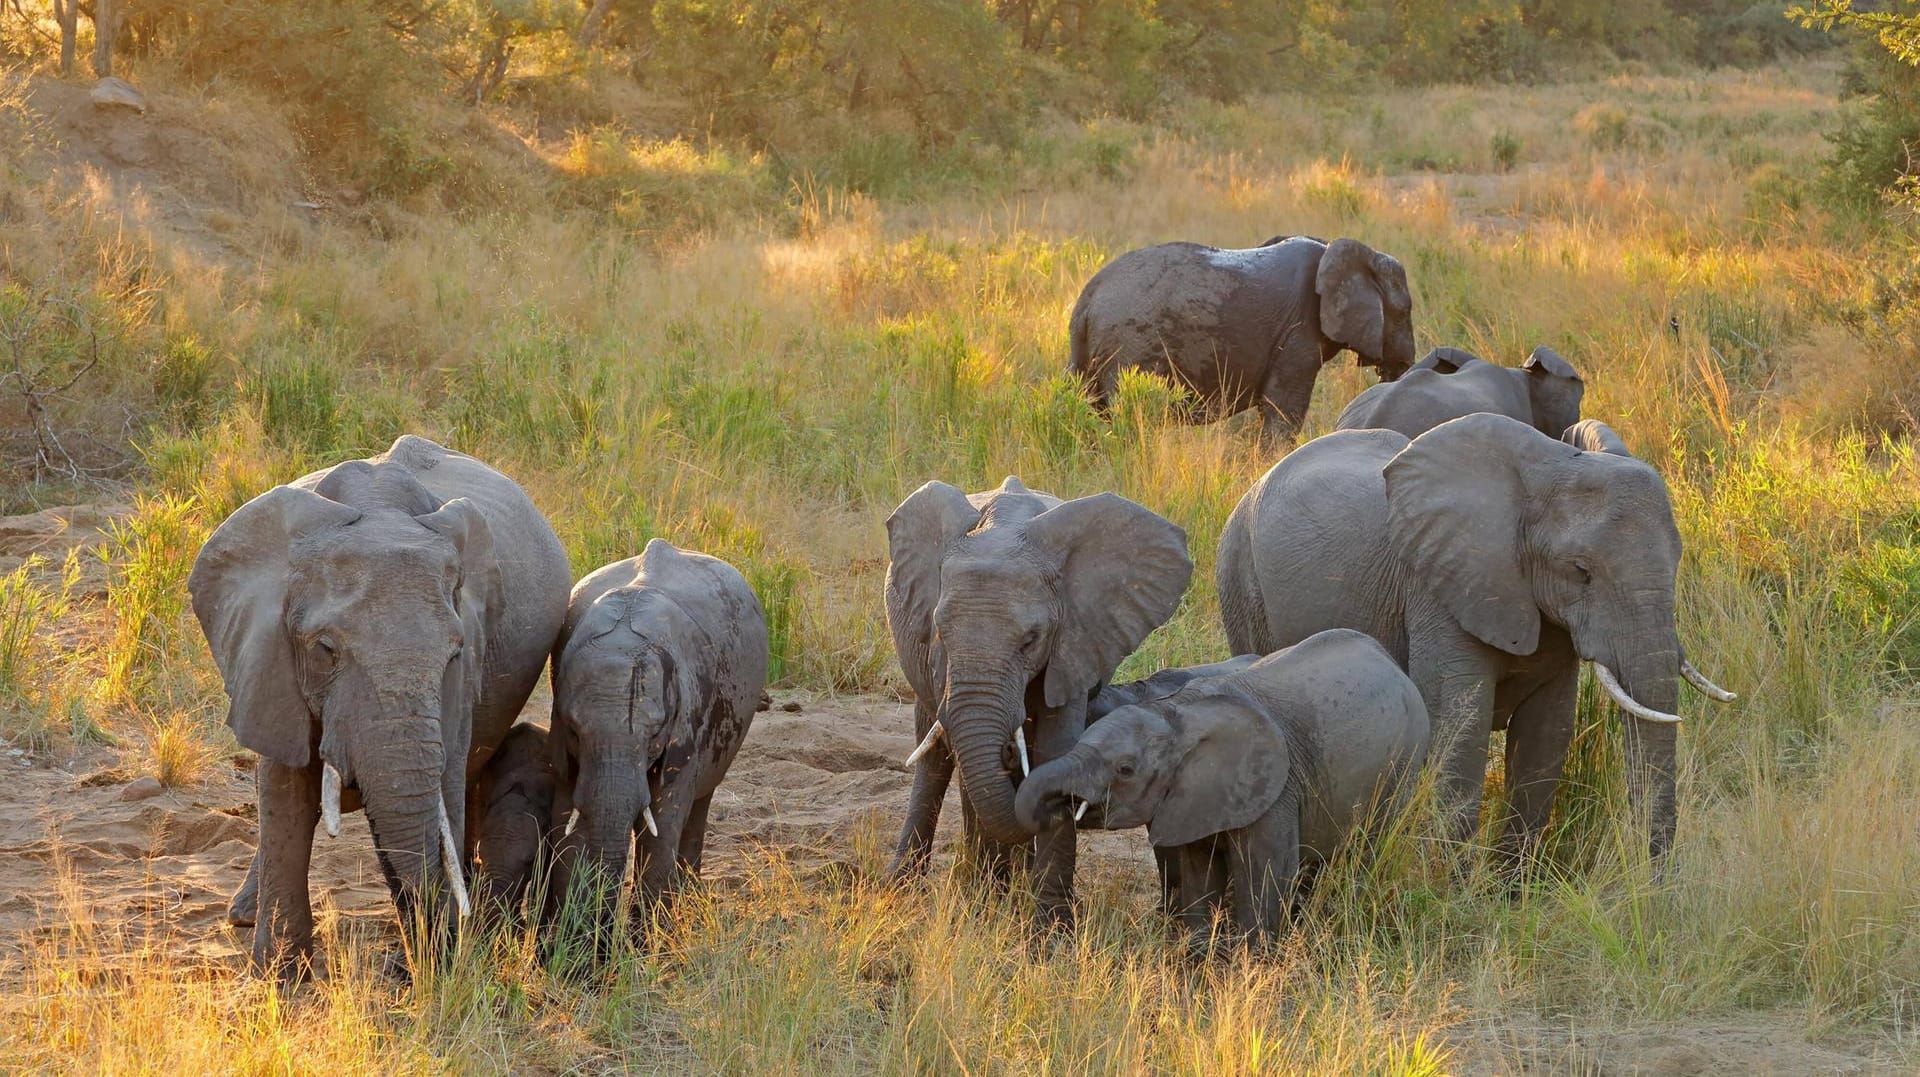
(1544, 392)
(1249, 778)
(1009, 609)
(1490, 560)
(1242, 328)
(377, 626)
(656, 678)
(513, 821)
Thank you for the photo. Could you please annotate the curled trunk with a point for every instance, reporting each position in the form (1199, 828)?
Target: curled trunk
(1045, 797)
(980, 717)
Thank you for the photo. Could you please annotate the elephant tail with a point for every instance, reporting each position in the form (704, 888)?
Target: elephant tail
(1243, 610)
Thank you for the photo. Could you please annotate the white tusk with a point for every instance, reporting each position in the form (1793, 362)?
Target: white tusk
(926, 745)
(1020, 742)
(450, 852)
(1627, 702)
(330, 799)
(646, 816)
(1699, 680)
(1079, 811)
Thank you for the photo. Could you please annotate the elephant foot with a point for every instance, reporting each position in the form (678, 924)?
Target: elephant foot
(288, 963)
(244, 907)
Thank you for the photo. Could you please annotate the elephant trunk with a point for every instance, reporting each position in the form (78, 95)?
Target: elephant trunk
(611, 797)
(400, 768)
(1059, 791)
(1651, 676)
(981, 716)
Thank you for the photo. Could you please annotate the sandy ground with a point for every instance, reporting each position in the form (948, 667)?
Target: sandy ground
(815, 776)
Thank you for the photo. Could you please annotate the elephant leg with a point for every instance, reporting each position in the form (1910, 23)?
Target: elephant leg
(289, 810)
(1203, 888)
(931, 776)
(1284, 400)
(693, 838)
(995, 861)
(1055, 850)
(658, 855)
(1538, 738)
(1456, 681)
(1167, 862)
(1265, 871)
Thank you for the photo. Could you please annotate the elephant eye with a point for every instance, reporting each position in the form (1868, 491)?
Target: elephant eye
(325, 645)
(1032, 637)
(1125, 770)
(1585, 576)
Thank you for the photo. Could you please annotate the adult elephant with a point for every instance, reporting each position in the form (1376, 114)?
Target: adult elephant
(1242, 328)
(1490, 560)
(378, 625)
(1009, 609)
(1544, 392)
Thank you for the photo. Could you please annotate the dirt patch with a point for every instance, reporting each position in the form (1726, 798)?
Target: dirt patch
(1751, 1045)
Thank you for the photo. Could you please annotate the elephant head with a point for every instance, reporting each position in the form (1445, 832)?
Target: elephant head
(1554, 389)
(1592, 435)
(1509, 528)
(511, 818)
(1365, 306)
(1212, 763)
(1447, 360)
(623, 703)
(349, 619)
(1026, 606)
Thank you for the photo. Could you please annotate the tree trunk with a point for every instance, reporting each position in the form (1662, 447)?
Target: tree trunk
(67, 14)
(590, 26)
(105, 21)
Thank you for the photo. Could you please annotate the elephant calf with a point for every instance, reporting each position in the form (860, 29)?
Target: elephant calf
(1544, 392)
(513, 813)
(656, 678)
(1247, 775)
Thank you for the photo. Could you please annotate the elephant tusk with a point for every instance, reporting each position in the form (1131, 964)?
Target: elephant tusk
(646, 816)
(1020, 742)
(1080, 811)
(926, 744)
(1627, 702)
(330, 799)
(450, 852)
(1708, 688)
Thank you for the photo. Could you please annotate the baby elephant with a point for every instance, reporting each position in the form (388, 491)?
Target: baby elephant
(1248, 775)
(512, 813)
(656, 677)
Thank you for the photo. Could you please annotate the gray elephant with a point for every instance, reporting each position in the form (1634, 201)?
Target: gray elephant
(1544, 392)
(1009, 609)
(1251, 778)
(1490, 560)
(377, 626)
(656, 678)
(513, 822)
(1242, 328)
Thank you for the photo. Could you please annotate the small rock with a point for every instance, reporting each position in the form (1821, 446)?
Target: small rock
(111, 92)
(142, 788)
(790, 707)
(16, 752)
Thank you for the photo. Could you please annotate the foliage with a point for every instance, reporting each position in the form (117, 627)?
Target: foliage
(1876, 151)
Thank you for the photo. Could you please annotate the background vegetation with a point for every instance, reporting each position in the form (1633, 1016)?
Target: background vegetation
(743, 274)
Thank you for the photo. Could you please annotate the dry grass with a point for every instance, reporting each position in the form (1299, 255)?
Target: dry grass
(768, 391)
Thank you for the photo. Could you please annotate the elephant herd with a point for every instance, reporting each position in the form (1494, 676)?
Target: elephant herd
(1435, 569)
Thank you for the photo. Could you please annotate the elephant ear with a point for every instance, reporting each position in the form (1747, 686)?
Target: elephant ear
(918, 534)
(479, 595)
(1455, 501)
(1234, 764)
(239, 590)
(1358, 286)
(1544, 360)
(1123, 570)
(1446, 360)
